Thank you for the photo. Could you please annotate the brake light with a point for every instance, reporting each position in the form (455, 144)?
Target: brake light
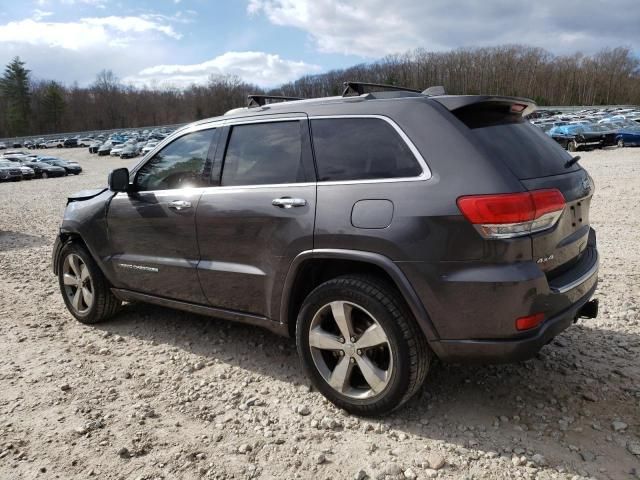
(509, 215)
(530, 321)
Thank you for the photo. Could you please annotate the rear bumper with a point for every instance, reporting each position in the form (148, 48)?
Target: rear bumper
(509, 350)
(474, 307)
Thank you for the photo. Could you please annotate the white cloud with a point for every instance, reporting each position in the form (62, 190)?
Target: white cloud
(261, 68)
(84, 33)
(40, 14)
(373, 28)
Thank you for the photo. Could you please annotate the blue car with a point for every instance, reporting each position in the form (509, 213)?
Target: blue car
(582, 137)
(628, 137)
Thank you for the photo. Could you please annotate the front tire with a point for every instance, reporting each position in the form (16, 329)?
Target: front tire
(572, 146)
(360, 345)
(84, 288)
(620, 143)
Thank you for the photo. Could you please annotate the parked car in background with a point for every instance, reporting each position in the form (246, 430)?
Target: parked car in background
(9, 171)
(581, 137)
(3, 146)
(70, 167)
(151, 144)
(116, 150)
(130, 151)
(53, 144)
(85, 142)
(105, 148)
(95, 145)
(628, 137)
(70, 143)
(45, 170)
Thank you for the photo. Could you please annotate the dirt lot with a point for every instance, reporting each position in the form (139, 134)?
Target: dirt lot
(161, 394)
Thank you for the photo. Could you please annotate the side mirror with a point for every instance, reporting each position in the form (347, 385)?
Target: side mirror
(119, 180)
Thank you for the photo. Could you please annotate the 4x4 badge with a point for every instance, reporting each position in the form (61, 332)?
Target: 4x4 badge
(545, 259)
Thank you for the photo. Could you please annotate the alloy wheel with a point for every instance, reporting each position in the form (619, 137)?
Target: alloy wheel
(350, 350)
(78, 285)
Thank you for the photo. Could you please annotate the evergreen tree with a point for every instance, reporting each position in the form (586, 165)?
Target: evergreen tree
(14, 87)
(53, 104)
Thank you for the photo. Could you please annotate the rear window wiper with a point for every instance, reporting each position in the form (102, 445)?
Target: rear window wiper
(571, 161)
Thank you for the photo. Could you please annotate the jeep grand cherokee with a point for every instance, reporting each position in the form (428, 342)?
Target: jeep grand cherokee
(379, 229)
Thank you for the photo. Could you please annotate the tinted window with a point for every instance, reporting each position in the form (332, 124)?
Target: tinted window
(181, 164)
(264, 153)
(527, 151)
(360, 149)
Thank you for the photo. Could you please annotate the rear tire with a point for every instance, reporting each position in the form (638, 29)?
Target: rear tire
(572, 146)
(384, 361)
(45, 175)
(85, 289)
(620, 143)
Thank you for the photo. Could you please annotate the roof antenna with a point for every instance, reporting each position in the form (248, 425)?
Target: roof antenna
(434, 91)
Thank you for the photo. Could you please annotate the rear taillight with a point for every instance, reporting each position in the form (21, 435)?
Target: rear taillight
(508, 215)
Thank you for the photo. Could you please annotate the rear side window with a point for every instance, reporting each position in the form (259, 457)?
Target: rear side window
(264, 153)
(360, 149)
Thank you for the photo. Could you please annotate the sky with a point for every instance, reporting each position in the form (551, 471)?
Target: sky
(269, 42)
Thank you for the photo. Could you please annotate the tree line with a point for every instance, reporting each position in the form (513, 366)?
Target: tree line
(30, 106)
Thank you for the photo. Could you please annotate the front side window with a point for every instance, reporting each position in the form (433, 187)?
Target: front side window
(264, 153)
(360, 149)
(181, 164)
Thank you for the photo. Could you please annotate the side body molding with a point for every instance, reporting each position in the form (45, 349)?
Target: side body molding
(381, 261)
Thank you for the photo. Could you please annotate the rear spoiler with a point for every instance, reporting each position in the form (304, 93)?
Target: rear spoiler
(515, 105)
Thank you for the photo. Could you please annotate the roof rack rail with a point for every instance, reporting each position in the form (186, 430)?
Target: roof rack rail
(359, 88)
(261, 100)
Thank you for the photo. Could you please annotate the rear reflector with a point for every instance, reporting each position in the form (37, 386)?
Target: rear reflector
(530, 321)
(508, 215)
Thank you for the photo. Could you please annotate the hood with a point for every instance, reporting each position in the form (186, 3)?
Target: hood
(85, 194)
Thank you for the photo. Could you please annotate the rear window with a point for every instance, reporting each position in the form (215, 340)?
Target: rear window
(527, 151)
(360, 149)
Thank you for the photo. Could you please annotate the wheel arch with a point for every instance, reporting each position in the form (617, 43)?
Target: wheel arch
(64, 237)
(313, 267)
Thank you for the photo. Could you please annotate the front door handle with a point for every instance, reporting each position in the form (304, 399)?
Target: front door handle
(288, 202)
(179, 205)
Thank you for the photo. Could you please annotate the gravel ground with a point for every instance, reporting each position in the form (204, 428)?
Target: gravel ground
(156, 393)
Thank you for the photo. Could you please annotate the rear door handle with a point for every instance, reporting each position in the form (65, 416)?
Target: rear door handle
(179, 205)
(288, 202)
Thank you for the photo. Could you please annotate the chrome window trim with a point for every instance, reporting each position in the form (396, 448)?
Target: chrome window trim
(426, 171)
(425, 175)
(171, 138)
(253, 187)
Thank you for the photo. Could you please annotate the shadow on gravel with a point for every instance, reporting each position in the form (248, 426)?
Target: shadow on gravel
(16, 240)
(559, 404)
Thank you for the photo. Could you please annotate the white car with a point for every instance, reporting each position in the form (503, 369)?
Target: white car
(148, 147)
(117, 150)
(53, 144)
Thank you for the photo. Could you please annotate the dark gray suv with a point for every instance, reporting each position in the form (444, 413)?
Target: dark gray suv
(379, 229)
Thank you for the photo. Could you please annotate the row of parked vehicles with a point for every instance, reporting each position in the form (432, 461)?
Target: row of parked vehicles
(139, 136)
(123, 147)
(591, 128)
(19, 165)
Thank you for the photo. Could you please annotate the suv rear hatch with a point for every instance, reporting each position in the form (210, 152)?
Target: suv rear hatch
(498, 128)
